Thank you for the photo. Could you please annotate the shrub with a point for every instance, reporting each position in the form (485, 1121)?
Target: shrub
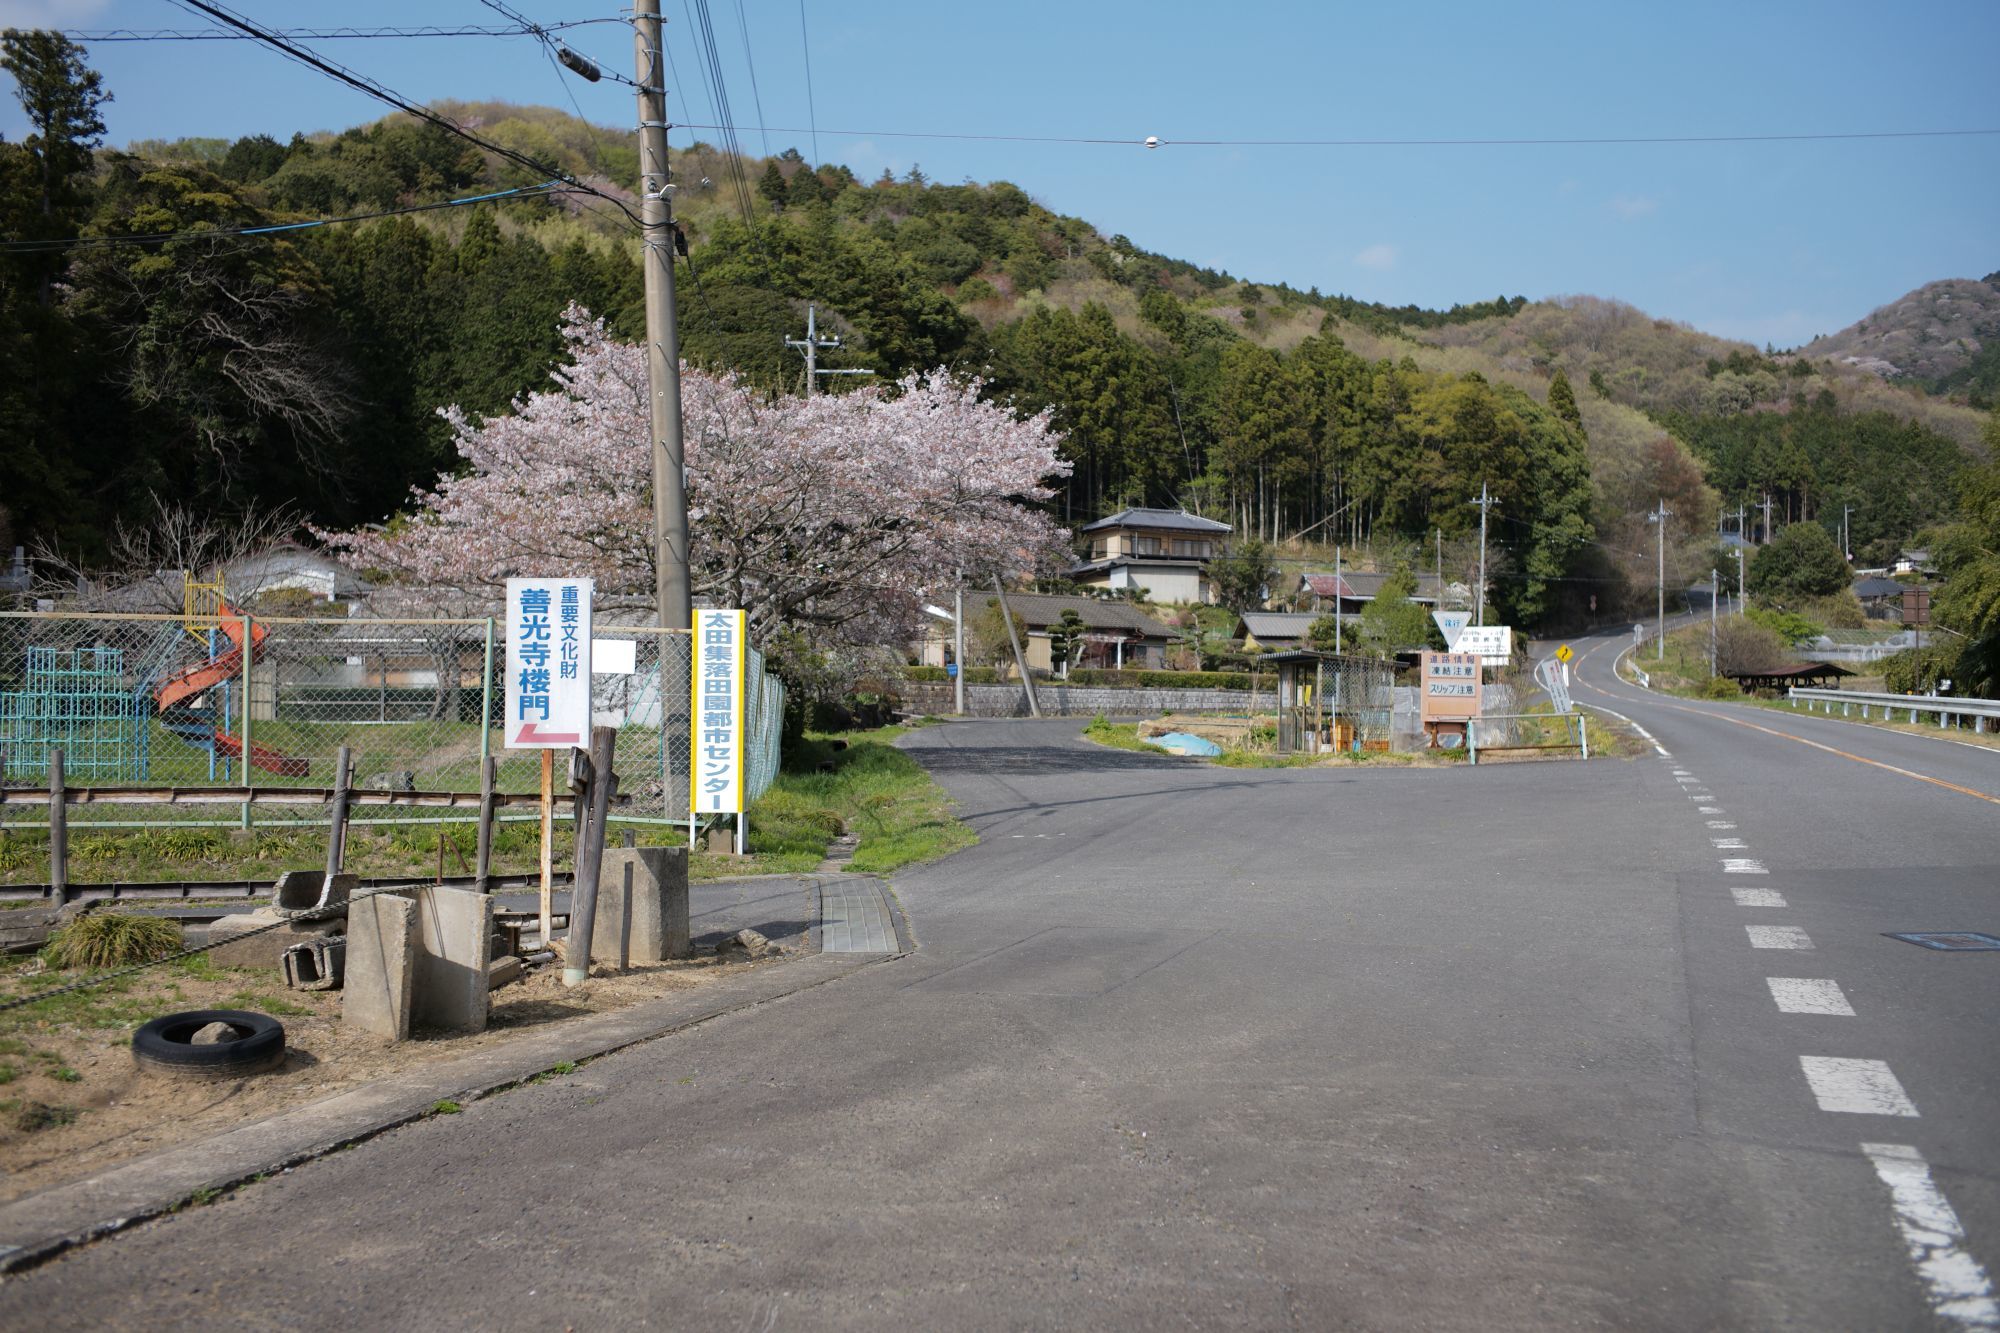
(979, 675)
(1162, 680)
(1794, 629)
(1918, 670)
(111, 939)
(1741, 644)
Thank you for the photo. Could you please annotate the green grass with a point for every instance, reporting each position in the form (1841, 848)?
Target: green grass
(1119, 736)
(873, 790)
(446, 1107)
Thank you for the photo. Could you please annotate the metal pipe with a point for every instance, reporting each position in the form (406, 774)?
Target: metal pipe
(488, 777)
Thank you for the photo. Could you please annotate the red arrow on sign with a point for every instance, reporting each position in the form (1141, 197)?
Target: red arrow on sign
(528, 735)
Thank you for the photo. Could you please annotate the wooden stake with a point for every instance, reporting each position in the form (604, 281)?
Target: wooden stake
(58, 831)
(548, 852)
(487, 778)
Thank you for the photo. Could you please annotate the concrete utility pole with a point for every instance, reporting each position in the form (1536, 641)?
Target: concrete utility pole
(1020, 661)
(1846, 542)
(1714, 595)
(663, 339)
(1660, 516)
(1438, 605)
(1485, 502)
(1766, 507)
(1336, 600)
(958, 644)
(1739, 580)
(811, 345)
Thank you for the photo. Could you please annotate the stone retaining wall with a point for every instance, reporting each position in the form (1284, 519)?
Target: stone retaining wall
(926, 696)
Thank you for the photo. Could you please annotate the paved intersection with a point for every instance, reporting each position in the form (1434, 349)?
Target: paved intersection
(1373, 1049)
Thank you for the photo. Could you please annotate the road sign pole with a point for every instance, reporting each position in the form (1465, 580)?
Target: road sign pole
(548, 857)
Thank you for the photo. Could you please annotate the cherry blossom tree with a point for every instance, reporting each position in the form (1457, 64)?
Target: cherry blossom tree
(834, 516)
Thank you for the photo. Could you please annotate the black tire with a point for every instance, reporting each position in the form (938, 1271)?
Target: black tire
(163, 1047)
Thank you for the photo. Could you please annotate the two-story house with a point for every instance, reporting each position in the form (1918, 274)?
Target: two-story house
(1163, 553)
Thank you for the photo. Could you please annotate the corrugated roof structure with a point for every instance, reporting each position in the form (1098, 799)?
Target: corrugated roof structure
(1175, 519)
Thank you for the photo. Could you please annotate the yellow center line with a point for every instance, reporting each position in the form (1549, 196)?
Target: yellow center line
(1786, 735)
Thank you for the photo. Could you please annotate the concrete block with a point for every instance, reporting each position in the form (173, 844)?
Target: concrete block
(317, 964)
(382, 945)
(310, 890)
(659, 904)
(229, 946)
(455, 945)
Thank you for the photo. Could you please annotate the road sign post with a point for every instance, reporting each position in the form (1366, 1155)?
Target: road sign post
(1449, 698)
(547, 691)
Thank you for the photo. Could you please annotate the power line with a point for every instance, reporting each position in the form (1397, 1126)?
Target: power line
(319, 34)
(1157, 142)
(812, 112)
(750, 60)
(272, 229)
(381, 93)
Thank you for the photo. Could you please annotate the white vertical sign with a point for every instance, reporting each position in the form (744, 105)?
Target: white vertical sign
(548, 663)
(715, 768)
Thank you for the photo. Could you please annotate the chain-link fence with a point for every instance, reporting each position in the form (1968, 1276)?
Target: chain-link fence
(138, 701)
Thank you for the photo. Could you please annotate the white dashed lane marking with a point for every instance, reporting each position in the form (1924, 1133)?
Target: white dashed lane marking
(1855, 1087)
(1710, 810)
(1720, 824)
(1809, 995)
(1728, 844)
(1959, 1290)
(1742, 865)
(1757, 897)
(1778, 937)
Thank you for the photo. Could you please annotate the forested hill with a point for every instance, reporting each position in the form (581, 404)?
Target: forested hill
(1944, 336)
(307, 367)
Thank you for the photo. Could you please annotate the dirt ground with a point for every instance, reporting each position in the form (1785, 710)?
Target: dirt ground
(72, 1102)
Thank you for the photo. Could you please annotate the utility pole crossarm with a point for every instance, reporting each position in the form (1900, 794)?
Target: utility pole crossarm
(812, 344)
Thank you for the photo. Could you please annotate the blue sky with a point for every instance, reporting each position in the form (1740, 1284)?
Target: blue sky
(1768, 241)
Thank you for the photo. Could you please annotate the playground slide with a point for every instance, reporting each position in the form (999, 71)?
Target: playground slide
(171, 694)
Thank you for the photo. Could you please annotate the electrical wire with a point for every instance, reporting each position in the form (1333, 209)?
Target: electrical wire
(750, 60)
(1126, 142)
(812, 111)
(271, 229)
(381, 93)
(319, 34)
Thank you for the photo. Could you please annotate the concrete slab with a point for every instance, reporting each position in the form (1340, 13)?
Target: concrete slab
(382, 945)
(231, 945)
(854, 916)
(455, 944)
(658, 895)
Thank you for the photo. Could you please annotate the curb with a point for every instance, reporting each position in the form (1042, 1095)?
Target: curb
(43, 1225)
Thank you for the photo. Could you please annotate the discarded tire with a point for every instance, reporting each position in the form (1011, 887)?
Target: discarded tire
(165, 1046)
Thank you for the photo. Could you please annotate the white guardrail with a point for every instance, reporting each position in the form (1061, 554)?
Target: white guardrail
(1949, 711)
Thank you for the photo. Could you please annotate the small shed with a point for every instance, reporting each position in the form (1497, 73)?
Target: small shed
(1811, 675)
(1299, 704)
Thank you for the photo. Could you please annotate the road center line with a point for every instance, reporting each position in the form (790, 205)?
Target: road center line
(1855, 1087)
(1958, 1286)
(1778, 937)
(1808, 995)
(1757, 897)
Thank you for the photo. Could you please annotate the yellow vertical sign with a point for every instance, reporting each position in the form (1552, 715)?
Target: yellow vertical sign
(715, 759)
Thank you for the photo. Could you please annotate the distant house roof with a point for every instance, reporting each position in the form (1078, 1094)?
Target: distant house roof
(1358, 587)
(1039, 611)
(1866, 588)
(1274, 626)
(1176, 519)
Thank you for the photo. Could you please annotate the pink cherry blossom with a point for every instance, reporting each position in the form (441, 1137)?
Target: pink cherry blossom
(837, 515)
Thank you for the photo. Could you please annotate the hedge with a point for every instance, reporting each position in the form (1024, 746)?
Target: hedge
(1164, 680)
(973, 676)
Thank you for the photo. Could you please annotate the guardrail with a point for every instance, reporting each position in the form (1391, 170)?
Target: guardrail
(1950, 712)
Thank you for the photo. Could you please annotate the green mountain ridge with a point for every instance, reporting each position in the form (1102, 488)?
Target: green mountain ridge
(1287, 411)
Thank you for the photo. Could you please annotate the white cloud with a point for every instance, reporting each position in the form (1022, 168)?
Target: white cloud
(47, 13)
(1632, 207)
(1377, 257)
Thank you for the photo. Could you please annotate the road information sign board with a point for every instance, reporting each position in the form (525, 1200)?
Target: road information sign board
(1451, 624)
(548, 663)
(721, 643)
(1450, 686)
(1492, 644)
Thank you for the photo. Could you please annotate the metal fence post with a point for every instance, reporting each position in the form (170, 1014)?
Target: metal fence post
(249, 660)
(58, 831)
(486, 700)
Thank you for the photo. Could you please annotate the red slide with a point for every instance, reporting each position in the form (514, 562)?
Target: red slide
(197, 680)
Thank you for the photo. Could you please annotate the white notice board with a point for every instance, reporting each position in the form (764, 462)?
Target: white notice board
(721, 643)
(548, 664)
(1492, 644)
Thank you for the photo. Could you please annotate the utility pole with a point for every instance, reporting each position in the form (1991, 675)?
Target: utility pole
(663, 342)
(811, 345)
(1846, 542)
(1660, 516)
(1714, 595)
(1337, 586)
(1438, 605)
(1766, 507)
(1485, 502)
(958, 644)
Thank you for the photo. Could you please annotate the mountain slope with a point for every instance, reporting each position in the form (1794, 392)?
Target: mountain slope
(1944, 335)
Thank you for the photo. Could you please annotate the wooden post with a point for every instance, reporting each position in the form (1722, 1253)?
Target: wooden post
(589, 858)
(548, 852)
(439, 880)
(58, 830)
(488, 776)
(625, 908)
(336, 838)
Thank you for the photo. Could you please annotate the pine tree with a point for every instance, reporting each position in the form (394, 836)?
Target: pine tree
(1562, 402)
(772, 186)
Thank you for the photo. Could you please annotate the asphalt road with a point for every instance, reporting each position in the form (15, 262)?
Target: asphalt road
(1439, 1049)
